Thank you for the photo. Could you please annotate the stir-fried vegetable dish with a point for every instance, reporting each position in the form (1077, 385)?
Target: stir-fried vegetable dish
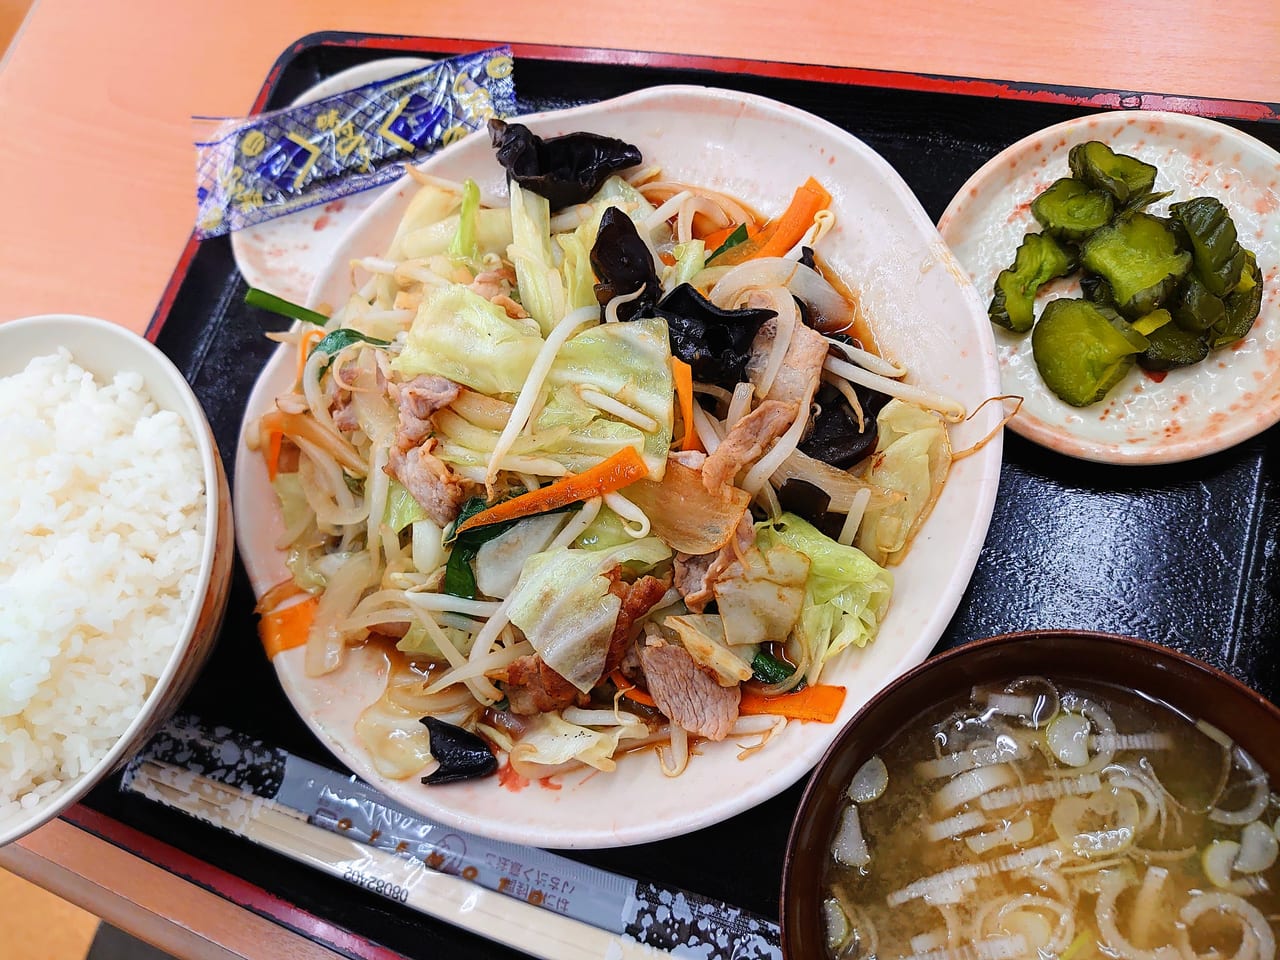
(609, 462)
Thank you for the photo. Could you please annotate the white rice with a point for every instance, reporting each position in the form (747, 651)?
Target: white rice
(101, 530)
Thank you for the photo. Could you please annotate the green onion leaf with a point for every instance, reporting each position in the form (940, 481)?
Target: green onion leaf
(338, 340)
(269, 301)
(769, 669)
(459, 576)
(732, 240)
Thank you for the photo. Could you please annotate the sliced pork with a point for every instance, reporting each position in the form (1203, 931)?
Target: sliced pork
(415, 402)
(637, 600)
(430, 481)
(746, 442)
(688, 695)
(797, 380)
(532, 687)
(343, 413)
(696, 576)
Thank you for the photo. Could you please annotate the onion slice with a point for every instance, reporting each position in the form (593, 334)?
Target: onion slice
(1068, 738)
(994, 948)
(807, 284)
(1035, 792)
(1258, 848)
(972, 785)
(850, 847)
(869, 782)
(1257, 803)
(954, 826)
(1257, 941)
(949, 764)
(1020, 831)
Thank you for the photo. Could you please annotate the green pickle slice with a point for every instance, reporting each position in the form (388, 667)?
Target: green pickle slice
(1138, 255)
(1243, 304)
(1168, 345)
(1196, 309)
(1071, 210)
(1096, 290)
(1038, 260)
(1125, 178)
(1217, 254)
(1082, 350)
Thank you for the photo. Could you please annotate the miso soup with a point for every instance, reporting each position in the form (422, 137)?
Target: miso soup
(1041, 820)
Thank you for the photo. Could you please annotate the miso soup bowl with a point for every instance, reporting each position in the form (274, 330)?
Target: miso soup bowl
(1184, 683)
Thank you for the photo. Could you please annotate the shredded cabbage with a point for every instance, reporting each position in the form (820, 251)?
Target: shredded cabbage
(293, 500)
(552, 740)
(563, 605)
(913, 456)
(464, 245)
(419, 642)
(402, 509)
(627, 362)
(605, 531)
(761, 596)
(690, 257)
(541, 288)
(703, 638)
(460, 335)
(427, 209)
(846, 592)
(631, 363)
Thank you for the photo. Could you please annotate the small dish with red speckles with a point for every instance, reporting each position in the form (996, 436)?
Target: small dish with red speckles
(285, 255)
(1149, 417)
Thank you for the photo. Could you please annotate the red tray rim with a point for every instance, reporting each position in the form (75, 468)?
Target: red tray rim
(261, 901)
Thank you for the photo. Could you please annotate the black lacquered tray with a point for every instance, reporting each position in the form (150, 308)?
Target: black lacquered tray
(1187, 555)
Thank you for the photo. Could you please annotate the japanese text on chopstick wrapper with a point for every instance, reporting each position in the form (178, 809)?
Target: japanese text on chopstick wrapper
(275, 163)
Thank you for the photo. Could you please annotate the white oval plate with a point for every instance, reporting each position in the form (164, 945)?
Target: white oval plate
(1231, 395)
(285, 255)
(925, 314)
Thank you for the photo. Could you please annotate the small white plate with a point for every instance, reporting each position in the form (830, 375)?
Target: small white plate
(1190, 412)
(925, 314)
(284, 255)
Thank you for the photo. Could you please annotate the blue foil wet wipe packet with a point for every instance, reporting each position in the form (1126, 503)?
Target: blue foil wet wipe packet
(275, 163)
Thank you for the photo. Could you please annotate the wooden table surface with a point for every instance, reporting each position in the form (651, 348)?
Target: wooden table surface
(97, 174)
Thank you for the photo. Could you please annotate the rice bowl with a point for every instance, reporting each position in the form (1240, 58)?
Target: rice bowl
(115, 571)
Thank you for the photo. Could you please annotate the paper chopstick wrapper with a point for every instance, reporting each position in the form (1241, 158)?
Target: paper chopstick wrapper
(683, 923)
(272, 164)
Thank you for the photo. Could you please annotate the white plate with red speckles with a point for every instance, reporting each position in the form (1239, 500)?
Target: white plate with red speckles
(1193, 411)
(924, 313)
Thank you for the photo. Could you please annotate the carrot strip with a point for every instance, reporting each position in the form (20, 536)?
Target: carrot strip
(274, 442)
(622, 468)
(630, 690)
(287, 628)
(780, 235)
(301, 426)
(682, 373)
(308, 338)
(821, 702)
(796, 219)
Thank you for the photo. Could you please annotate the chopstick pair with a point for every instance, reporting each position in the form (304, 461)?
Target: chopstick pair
(529, 899)
(451, 899)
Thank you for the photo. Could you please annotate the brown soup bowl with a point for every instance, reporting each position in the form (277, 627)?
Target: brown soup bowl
(1184, 683)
